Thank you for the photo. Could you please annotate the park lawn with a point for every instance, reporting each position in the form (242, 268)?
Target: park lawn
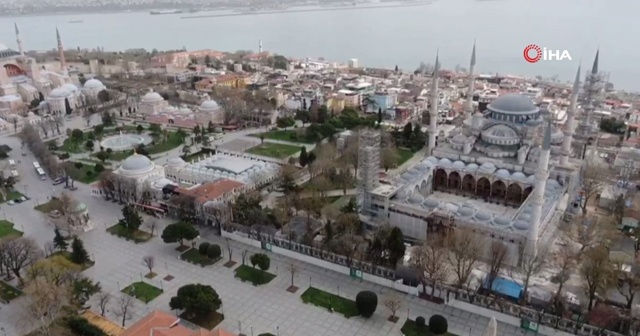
(138, 236)
(86, 174)
(71, 146)
(67, 255)
(254, 275)
(10, 196)
(7, 230)
(404, 155)
(274, 150)
(48, 207)
(193, 256)
(116, 156)
(334, 184)
(290, 135)
(173, 141)
(330, 301)
(208, 322)
(8, 292)
(410, 328)
(142, 291)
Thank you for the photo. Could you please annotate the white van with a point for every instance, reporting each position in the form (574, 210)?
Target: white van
(12, 163)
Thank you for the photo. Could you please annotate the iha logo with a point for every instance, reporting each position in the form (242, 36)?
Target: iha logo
(532, 54)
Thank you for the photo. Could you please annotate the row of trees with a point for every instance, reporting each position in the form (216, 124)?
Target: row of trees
(31, 138)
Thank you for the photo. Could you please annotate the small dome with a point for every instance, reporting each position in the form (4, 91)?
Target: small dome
(518, 176)
(432, 159)
(136, 163)
(503, 173)
(513, 103)
(431, 203)
(531, 179)
(459, 139)
(93, 84)
(553, 184)
(502, 221)
(500, 132)
(152, 97)
(445, 162)
(70, 87)
(522, 225)
(209, 105)
(488, 167)
(415, 199)
(422, 166)
(451, 207)
(472, 167)
(459, 165)
(79, 208)
(59, 93)
(482, 216)
(525, 217)
(465, 211)
(176, 162)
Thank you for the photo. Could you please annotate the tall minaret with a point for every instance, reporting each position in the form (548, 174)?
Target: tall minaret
(589, 103)
(468, 106)
(259, 46)
(569, 126)
(20, 47)
(433, 113)
(542, 174)
(63, 63)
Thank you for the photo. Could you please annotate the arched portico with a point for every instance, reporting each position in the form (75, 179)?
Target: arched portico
(454, 180)
(498, 190)
(514, 194)
(469, 184)
(440, 178)
(484, 188)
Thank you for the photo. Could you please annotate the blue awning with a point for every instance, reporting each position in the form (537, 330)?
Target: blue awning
(505, 287)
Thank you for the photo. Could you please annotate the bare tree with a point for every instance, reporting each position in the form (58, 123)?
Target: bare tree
(394, 303)
(44, 127)
(229, 249)
(465, 249)
(566, 261)
(124, 306)
(596, 272)
(149, 261)
(593, 181)
(431, 261)
(19, 253)
(49, 249)
(590, 231)
(628, 284)
(530, 266)
(45, 301)
(244, 256)
(103, 301)
(293, 269)
(496, 261)
(152, 225)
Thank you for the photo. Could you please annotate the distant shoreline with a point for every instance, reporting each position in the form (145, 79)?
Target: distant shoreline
(326, 9)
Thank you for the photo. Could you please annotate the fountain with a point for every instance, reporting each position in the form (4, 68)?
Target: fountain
(124, 141)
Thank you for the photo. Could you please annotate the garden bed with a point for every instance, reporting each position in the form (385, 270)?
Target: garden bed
(137, 236)
(67, 255)
(208, 322)
(330, 301)
(290, 135)
(193, 256)
(8, 292)
(49, 206)
(142, 291)
(274, 150)
(254, 275)
(7, 230)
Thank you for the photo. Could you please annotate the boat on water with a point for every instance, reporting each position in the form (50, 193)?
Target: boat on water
(76, 21)
(165, 11)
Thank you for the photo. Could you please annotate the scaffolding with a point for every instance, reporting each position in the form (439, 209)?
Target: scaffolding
(369, 166)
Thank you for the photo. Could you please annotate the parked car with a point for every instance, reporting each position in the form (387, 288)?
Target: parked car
(11, 202)
(59, 180)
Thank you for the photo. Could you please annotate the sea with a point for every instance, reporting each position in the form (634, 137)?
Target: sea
(380, 37)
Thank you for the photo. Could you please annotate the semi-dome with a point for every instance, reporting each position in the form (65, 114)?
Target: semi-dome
(459, 165)
(137, 163)
(152, 97)
(209, 105)
(93, 84)
(513, 103)
(59, 93)
(501, 135)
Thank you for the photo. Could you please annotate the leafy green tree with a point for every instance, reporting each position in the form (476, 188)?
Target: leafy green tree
(139, 128)
(438, 325)
(303, 159)
(98, 129)
(285, 122)
(58, 241)
(366, 303)
(214, 251)
(82, 289)
(77, 135)
(395, 245)
(89, 145)
(351, 207)
(311, 158)
(131, 219)
(202, 249)
(102, 156)
(67, 107)
(261, 260)
(34, 103)
(79, 254)
(104, 96)
(178, 232)
(196, 299)
(407, 132)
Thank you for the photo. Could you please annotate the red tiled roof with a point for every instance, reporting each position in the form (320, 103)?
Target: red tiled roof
(211, 190)
(159, 323)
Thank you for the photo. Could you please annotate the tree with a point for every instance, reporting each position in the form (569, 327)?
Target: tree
(123, 309)
(45, 302)
(628, 284)
(379, 115)
(149, 262)
(82, 289)
(261, 138)
(202, 249)
(103, 301)
(197, 300)
(590, 231)
(58, 241)
(438, 325)
(178, 232)
(366, 303)
(293, 269)
(79, 255)
(496, 262)
(394, 303)
(67, 107)
(261, 260)
(131, 219)
(186, 150)
(596, 272)
(430, 259)
(619, 207)
(18, 253)
(531, 265)
(390, 158)
(566, 262)
(304, 158)
(214, 251)
(395, 245)
(139, 128)
(593, 181)
(102, 156)
(465, 250)
(104, 96)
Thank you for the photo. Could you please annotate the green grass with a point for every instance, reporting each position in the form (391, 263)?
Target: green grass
(334, 184)
(411, 329)
(274, 150)
(142, 291)
(10, 196)
(254, 275)
(193, 256)
(47, 207)
(330, 301)
(67, 255)
(7, 230)
(8, 292)
(82, 174)
(137, 236)
(404, 155)
(173, 141)
(71, 146)
(208, 322)
(290, 135)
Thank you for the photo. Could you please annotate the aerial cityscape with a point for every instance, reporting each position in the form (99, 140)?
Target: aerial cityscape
(213, 192)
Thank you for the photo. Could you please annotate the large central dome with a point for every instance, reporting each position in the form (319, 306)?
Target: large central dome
(513, 103)
(137, 163)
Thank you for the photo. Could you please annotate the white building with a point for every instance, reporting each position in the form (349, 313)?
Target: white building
(92, 87)
(151, 103)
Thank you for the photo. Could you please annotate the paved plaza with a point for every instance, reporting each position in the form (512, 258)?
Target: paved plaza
(268, 308)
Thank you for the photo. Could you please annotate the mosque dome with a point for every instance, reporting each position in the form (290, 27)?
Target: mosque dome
(460, 138)
(431, 203)
(137, 163)
(513, 103)
(209, 105)
(459, 165)
(445, 162)
(465, 211)
(93, 84)
(502, 221)
(522, 225)
(70, 87)
(432, 159)
(59, 93)
(531, 179)
(518, 176)
(415, 199)
(152, 97)
(176, 162)
(500, 135)
(472, 167)
(503, 173)
(482, 216)
(487, 167)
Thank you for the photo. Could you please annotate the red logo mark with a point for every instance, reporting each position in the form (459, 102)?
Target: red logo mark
(536, 57)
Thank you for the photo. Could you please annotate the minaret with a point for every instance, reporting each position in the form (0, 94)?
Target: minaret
(63, 63)
(542, 174)
(433, 113)
(589, 104)
(20, 47)
(569, 126)
(468, 106)
(259, 46)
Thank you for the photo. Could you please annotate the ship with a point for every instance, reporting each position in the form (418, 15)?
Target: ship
(76, 21)
(165, 11)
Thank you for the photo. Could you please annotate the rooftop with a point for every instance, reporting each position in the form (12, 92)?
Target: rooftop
(211, 190)
(159, 323)
(231, 165)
